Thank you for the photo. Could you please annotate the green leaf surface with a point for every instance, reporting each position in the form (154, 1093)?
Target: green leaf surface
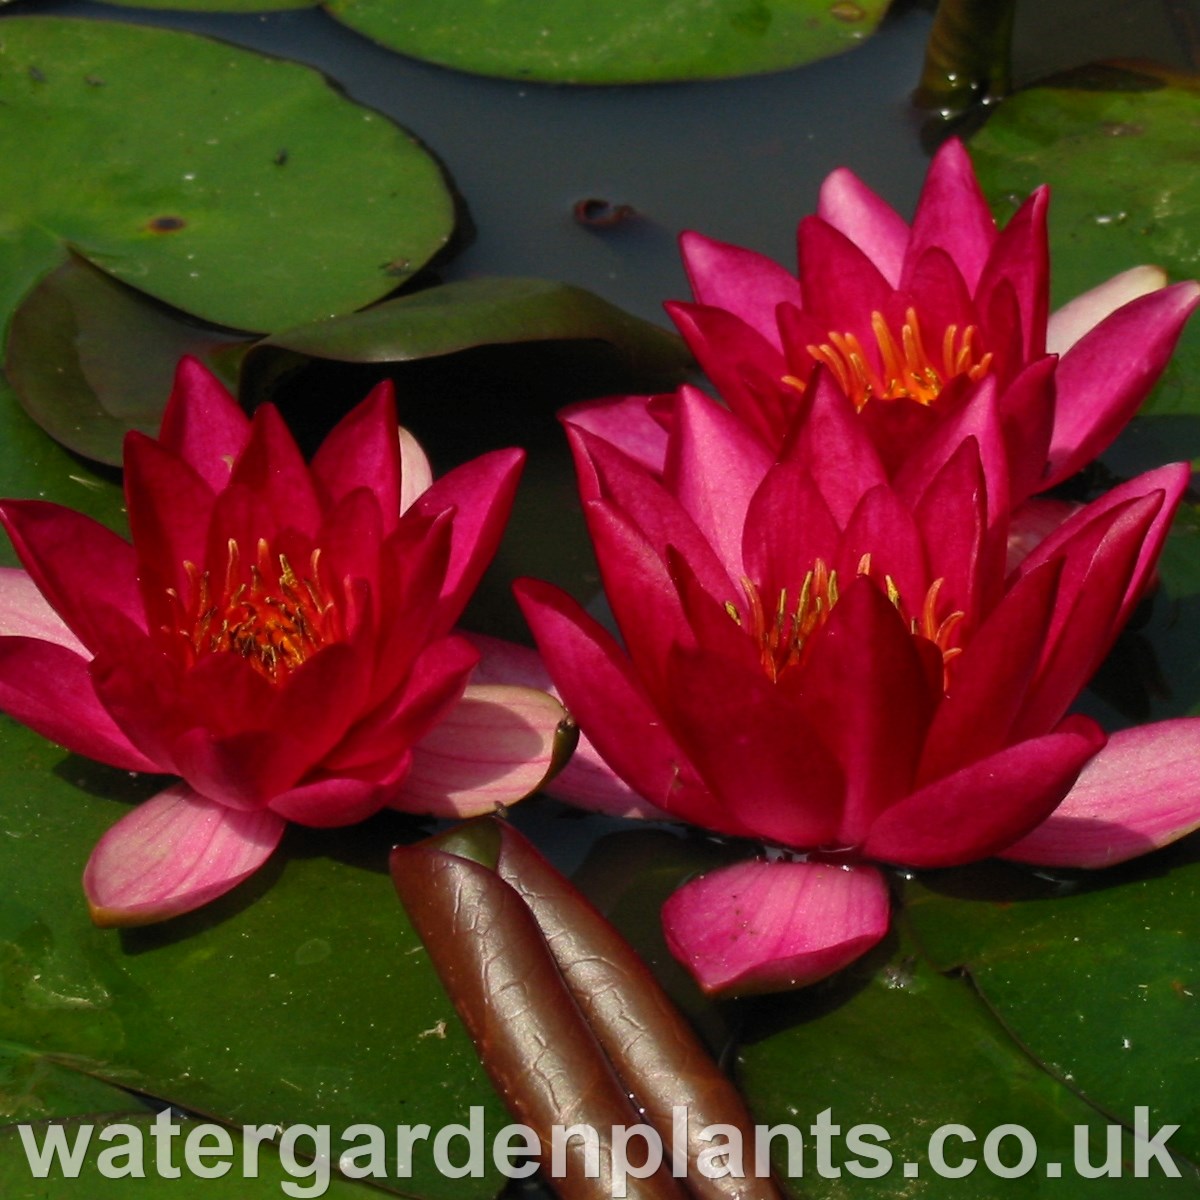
(301, 997)
(1118, 147)
(217, 197)
(91, 359)
(34, 467)
(1097, 975)
(578, 41)
(468, 315)
(33, 1088)
(894, 1044)
(120, 1146)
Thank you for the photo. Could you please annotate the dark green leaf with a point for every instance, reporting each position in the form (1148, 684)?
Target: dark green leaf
(200, 173)
(1097, 975)
(92, 359)
(1118, 147)
(34, 1087)
(579, 41)
(894, 1044)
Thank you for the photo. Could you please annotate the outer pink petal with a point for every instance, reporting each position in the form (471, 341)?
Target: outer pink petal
(769, 926)
(48, 687)
(77, 563)
(203, 424)
(624, 422)
(1069, 323)
(1140, 792)
(339, 799)
(1106, 375)
(25, 612)
(495, 747)
(172, 854)
(870, 223)
(587, 780)
(985, 807)
(740, 281)
(416, 474)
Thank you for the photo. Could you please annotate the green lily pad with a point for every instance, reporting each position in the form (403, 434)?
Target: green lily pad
(579, 41)
(92, 359)
(467, 315)
(217, 197)
(34, 1087)
(895, 1046)
(1097, 975)
(301, 997)
(1118, 146)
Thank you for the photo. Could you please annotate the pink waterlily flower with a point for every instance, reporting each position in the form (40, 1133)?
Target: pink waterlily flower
(278, 635)
(838, 664)
(919, 326)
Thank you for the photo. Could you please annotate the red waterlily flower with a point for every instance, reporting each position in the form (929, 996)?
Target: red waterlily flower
(920, 326)
(837, 663)
(277, 634)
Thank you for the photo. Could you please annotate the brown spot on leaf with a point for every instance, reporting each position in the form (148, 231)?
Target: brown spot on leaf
(846, 10)
(165, 224)
(37, 75)
(281, 158)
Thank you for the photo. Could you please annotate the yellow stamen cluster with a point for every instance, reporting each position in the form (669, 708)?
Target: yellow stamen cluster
(274, 619)
(907, 371)
(783, 632)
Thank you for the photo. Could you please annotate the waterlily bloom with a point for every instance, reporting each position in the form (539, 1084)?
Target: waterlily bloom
(911, 321)
(278, 635)
(838, 664)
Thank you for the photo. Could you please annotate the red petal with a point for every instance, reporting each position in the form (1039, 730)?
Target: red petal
(870, 223)
(274, 470)
(747, 284)
(203, 424)
(363, 450)
(841, 286)
(985, 807)
(48, 687)
(770, 926)
(1140, 792)
(625, 422)
(173, 854)
(78, 565)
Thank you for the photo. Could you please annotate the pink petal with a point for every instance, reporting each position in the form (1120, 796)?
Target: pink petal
(1107, 374)
(340, 799)
(481, 493)
(625, 422)
(870, 223)
(953, 213)
(1069, 323)
(604, 694)
(495, 747)
(1140, 792)
(714, 466)
(362, 451)
(1032, 523)
(172, 854)
(274, 471)
(416, 474)
(985, 807)
(587, 781)
(842, 287)
(740, 281)
(47, 686)
(78, 564)
(203, 424)
(769, 926)
(25, 612)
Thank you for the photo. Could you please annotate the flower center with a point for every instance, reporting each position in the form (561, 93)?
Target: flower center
(783, 632)
(907, 371)
(272, 617)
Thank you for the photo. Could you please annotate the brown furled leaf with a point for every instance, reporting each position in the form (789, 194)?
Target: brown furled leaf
(654, 1050)
(531, 1037)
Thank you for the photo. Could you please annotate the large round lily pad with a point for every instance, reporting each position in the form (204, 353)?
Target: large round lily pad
(1118, 147)
(241, 189)
(580, 41)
